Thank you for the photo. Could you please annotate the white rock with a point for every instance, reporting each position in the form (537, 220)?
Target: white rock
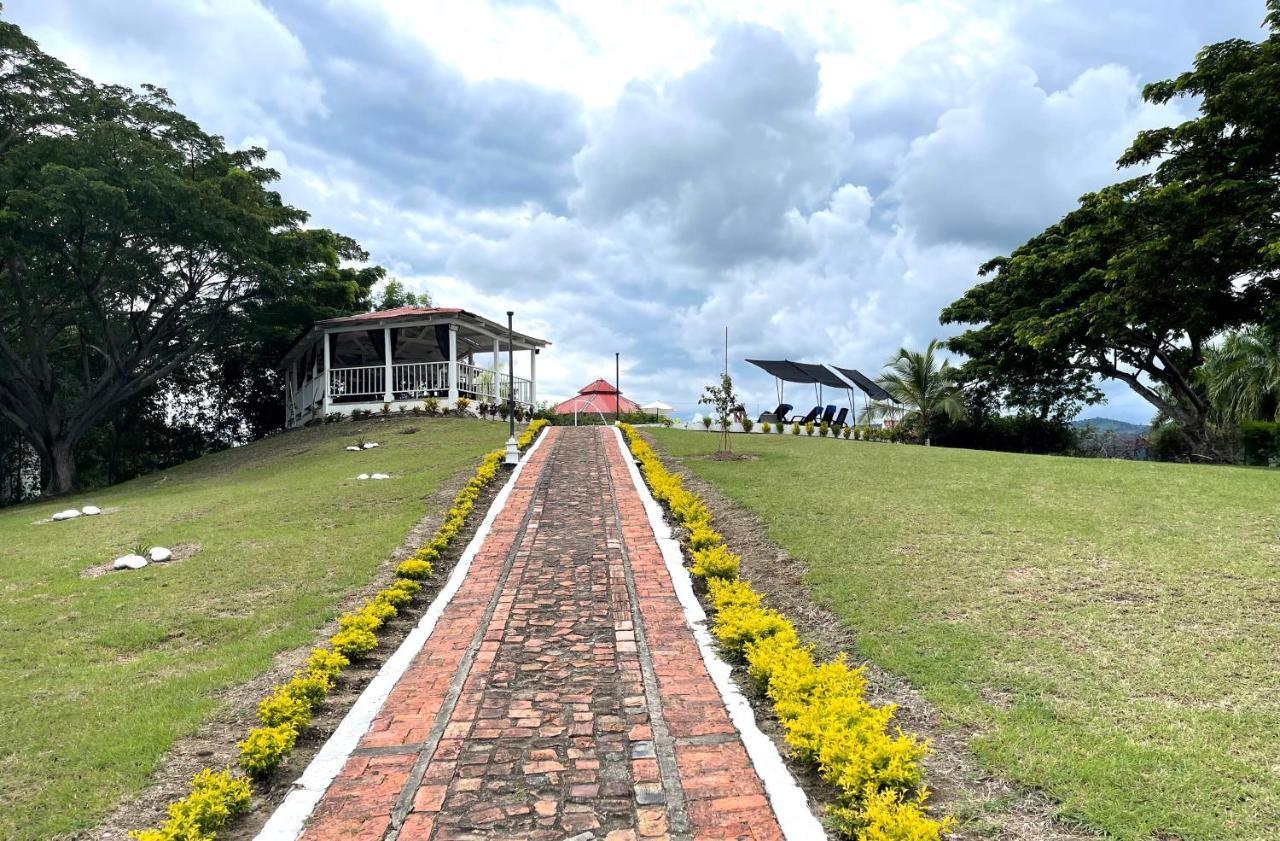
(159, 553)
(91, 510)
(129, 562)
(381, 476)
(370, 445)
(363, 476)
(69, 514)
(353, 449)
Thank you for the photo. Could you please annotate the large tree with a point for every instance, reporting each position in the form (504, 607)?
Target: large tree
(129, 241)
(1136, 282)
(321, 275)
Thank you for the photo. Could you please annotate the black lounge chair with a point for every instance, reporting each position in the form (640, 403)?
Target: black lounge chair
(828, 414)
(839, 422)
(809, 418)
(776, 416)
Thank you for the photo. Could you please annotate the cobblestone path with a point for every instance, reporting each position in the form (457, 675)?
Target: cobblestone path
(561, 695)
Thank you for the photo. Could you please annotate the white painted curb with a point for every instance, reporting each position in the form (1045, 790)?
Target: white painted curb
(789, 801)
(290, 817)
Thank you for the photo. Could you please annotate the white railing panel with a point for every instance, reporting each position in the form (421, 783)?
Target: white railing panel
(490, 387)
(367, 381)
(419, 380)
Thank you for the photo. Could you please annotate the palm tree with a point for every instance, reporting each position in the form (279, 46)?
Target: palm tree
(916, 380)
(1242, 375)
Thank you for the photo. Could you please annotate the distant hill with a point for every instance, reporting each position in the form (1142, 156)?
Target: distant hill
(1111, 425)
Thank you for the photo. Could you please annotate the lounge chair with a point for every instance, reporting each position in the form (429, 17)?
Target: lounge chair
(776, 416)
(809, 418)
(828, 414)
(839, 422)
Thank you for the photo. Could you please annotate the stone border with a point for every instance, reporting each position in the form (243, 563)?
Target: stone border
(289, 818)
(790, 803)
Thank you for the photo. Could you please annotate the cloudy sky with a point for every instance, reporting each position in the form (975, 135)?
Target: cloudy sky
(820, 177)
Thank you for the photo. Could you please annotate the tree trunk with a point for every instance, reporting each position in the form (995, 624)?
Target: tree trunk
(62, 468)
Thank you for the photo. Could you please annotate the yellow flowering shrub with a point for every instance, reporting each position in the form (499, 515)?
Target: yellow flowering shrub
(777, 660)
(703, 537)
(417, 569)
(265, 748)
(308, 687)
(886, 816)
(739, 625)
(281, 708)
(362, 619)
(354, 643)
(325, 663)
(406, 585)
(874, 767)
(215, 798)
(731, 592)
(397, 598)
(715, 562)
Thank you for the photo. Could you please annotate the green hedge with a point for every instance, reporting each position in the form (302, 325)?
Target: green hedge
(1260, 442)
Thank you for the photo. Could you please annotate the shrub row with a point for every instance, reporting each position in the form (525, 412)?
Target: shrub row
(826, 717)
(218, 796)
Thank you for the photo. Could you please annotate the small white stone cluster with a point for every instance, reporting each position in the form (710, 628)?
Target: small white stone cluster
(367, 446)
(364, 476)
(154, 554)
(72, 513)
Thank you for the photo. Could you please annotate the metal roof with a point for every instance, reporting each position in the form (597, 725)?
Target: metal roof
(400, 315)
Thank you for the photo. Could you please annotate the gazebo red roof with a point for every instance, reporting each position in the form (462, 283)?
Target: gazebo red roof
(597, 396)
(398, 312)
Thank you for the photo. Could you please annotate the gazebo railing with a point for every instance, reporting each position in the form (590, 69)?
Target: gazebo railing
(419, 380)
(491, 387)
(366, 381)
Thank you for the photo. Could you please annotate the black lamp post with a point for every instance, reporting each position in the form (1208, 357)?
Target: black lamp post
(512, 455)
(617, 389)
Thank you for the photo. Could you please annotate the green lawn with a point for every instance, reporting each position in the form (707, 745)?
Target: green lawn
(1112, 628)
(99, 676)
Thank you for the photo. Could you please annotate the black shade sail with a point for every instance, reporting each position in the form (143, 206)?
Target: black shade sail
(869, 388)
(800, 372)
(783, 370)
(810, 373)
(821, 375)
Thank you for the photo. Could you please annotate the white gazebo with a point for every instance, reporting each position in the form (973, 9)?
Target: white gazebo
(402, 357)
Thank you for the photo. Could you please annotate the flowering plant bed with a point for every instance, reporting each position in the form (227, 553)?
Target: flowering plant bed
(217, 797)
(826, 719)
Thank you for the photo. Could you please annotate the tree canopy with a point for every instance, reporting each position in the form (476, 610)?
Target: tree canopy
(1137, 282)
(132, 243)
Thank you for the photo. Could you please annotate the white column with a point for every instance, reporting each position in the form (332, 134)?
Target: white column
(498, 392)
(453, 364)
(387, 394)
(327, 375)
(533, 376)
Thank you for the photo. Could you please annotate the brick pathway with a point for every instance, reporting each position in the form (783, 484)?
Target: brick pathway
(561, 694)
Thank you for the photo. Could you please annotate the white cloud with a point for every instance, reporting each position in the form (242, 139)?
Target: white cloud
(634, 175)
(1040, 152)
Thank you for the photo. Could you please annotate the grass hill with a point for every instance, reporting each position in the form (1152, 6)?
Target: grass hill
(1107, 628)
(101, 674)
(1112, 425)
